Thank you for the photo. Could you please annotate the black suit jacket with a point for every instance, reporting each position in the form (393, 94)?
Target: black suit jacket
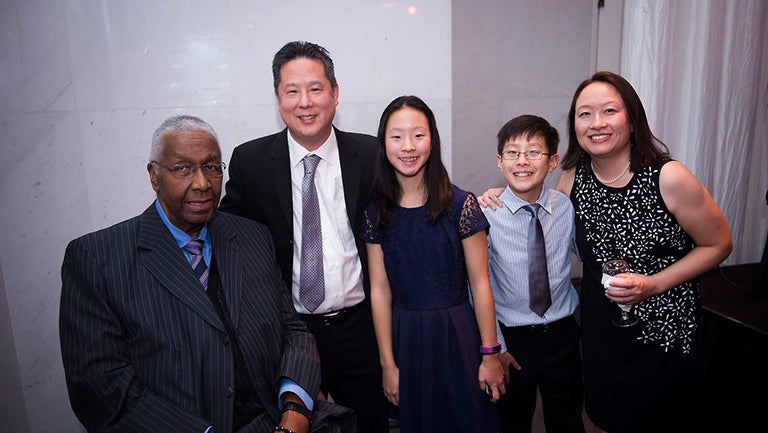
(259, 188)
(144, 350)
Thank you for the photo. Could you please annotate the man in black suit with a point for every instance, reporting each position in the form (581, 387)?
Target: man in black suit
(265, 184)
(156, 338)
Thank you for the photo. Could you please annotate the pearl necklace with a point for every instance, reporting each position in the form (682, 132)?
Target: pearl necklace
(607, 182)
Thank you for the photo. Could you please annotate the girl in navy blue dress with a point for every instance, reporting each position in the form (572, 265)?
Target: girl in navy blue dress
(427, 250)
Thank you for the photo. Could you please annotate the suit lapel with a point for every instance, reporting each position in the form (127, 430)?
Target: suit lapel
(280, 172)
(351, 170)
(229, 258)
(229, 261)
(161, 255)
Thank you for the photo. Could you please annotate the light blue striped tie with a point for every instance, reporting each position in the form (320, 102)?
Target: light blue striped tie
(195, 247)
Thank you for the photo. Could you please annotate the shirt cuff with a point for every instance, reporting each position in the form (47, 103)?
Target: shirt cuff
(500, 338)
(287, 385)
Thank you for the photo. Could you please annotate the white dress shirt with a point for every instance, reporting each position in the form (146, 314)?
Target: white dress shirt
(341, 262)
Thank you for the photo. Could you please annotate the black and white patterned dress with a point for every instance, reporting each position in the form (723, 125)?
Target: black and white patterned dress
(634, 376)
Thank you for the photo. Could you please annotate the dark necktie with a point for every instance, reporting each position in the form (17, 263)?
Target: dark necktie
(195, 247)
(538, 277)
(312, 280)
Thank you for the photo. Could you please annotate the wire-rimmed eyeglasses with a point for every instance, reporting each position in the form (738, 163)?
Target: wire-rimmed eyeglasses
(531, 155)
(186, 171)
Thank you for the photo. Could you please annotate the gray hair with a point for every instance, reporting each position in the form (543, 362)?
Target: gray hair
(183, 122)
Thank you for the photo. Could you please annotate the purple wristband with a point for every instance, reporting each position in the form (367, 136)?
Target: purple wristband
(490, 350)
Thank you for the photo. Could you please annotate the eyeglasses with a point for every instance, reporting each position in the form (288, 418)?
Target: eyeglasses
(531, 155)
(211, 171)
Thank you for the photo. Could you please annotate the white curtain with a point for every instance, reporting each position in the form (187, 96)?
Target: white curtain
(701, 70)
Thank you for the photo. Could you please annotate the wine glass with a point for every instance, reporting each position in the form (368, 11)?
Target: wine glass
(612, 268)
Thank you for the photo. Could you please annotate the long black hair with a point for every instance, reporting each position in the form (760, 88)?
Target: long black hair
(646, 148)
(386, 189)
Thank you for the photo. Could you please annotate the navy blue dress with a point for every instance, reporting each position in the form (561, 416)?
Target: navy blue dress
(435, 336)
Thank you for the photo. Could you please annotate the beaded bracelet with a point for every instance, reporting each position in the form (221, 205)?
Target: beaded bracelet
(282, 429)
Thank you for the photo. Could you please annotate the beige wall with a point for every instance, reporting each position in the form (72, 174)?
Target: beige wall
(512, 57)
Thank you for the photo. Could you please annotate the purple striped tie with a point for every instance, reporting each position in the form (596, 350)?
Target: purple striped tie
(195, 247)
(538, 276)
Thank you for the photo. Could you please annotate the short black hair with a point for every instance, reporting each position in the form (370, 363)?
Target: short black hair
(529, 126)
(302, 49)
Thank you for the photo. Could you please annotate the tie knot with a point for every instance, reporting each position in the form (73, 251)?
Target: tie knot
(533, 208)
(310, 163)
(195, 247)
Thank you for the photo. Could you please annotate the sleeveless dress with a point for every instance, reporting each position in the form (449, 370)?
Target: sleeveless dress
(435, 337)
(641, 378)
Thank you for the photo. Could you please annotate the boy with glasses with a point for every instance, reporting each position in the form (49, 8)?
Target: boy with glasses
(530, 243)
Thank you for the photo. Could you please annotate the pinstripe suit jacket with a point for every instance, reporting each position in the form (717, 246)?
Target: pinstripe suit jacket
(143, 347)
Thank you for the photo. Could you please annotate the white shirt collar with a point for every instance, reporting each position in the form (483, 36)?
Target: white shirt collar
(327, 151)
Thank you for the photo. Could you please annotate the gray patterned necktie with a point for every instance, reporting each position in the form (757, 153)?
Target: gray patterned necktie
(538, 277)
(195, 247)
(312, 280)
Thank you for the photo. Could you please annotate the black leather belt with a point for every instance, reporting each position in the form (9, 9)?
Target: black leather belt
(331, 317)
(540, 329)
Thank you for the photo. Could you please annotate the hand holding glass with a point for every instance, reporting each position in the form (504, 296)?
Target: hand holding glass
(612, 268)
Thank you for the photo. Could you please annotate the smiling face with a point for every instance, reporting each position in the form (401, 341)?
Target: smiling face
(307, 101)
(408, 142)
(526, 177)
(189, 203)
(601, 122)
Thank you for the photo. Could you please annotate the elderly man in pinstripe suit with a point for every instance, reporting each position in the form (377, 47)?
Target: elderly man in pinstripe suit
(156, 338)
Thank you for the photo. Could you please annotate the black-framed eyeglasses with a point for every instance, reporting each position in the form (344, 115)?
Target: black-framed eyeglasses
(531, 155)
(212, 171)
